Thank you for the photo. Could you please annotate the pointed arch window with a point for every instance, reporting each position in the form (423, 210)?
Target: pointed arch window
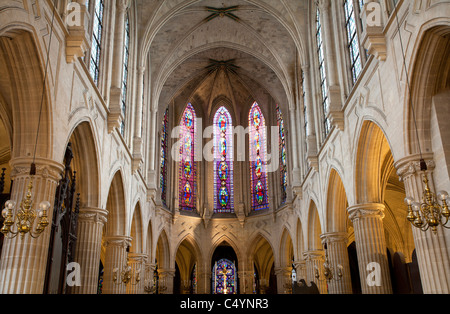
(283, 160)
(96, 41)
(164, 152)
(126, 55)
(223, 162)
(224, 277)
(258, 159)
(187, 167)
(353, 38)
(323, 75)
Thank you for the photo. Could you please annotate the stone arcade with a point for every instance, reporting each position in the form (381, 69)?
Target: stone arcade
(356, 93)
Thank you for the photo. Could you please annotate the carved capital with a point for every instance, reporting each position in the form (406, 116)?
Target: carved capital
(373, 210)
(96, 215)
(410, 166)
(334, 237)
(117, 241)
(45, 168)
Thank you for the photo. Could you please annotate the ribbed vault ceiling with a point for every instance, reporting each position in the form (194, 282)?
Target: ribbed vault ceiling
(184, 40)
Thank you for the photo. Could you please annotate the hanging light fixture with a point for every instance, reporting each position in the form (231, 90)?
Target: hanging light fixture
(429, 212)
(26, 215)
(328, 270)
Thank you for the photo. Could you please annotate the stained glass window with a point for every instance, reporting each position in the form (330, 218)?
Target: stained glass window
(224, 277)
(223, 162)
(164, 152)
(323, 75)
(187, 169)
(283, 161)
(126, 55)
(258, 159)
(96, 42)
(352, 38)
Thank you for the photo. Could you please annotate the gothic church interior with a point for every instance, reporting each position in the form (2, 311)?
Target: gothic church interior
(224, 147)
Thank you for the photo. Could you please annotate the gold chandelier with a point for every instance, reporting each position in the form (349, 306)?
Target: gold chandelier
(126, 276)
(430, 213)
(25, 217)
(328, 270)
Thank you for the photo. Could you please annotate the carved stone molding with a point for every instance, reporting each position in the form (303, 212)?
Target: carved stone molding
(117, 241)
(45, 168)
(96, 215)
(333, 237)
(366, 211)
(410, 165)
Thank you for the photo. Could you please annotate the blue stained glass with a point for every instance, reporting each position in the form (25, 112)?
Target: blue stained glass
(283, 161)
(258, 157)
(223, 162)
(224, 277)
(187, 172)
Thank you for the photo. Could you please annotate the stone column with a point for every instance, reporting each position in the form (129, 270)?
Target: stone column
(300, 268)
(246, 281)
(203, 281)
(88, 248)
(432, 249)
(336, 243)
(296, 175)
(137, 140)
(116, 117)
(284, 281)
(137, 263)
(115, 258)
(24, 260)
(371, 248)
(149, 282)
(314, 261)
(166, 280)
(310, 131)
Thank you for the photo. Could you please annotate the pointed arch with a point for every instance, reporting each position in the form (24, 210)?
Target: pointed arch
(137, 242)
(314, 229)
(85, 164)
(223, 162)
(162, 253)
(286, 254)
(258, 159)
(187, 166)
(116, 206)
(337, 204)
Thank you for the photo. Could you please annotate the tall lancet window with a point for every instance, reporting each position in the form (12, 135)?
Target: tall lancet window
(352, 38)
(187, 169)
(223, 162)
(164, 152)
(258, 159)
(96, 41)
(323, 75)
(126, 55)
(283, 160)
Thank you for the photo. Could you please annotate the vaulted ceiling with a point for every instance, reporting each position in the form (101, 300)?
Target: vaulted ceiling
(239, 50)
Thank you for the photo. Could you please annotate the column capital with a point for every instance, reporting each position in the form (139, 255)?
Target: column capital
(323, 4)
(410, 165)
(117, 241)
(97, 215)
(314, 254)
(122, 5)
(333, 237)
(46, 168)
(137, 257)
(366, 211)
